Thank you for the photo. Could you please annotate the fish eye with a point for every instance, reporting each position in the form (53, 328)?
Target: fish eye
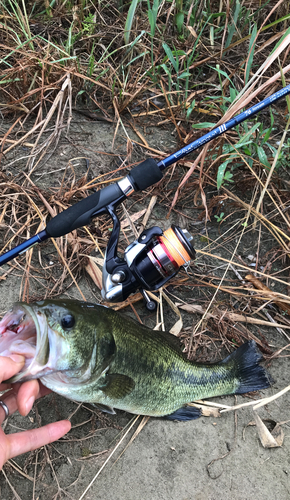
(68, 321)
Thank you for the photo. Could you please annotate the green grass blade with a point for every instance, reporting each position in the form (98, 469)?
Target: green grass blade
(129, 20)
(137, 57)
(251, 55)
(263, 157)
(233, 26)
(221, 72)
(203, 125)
(245, 137)
(152, 16)
(221, 173)
(287, 32)
(70, 58)
(169, 54)
(133, 43)
(269, 130)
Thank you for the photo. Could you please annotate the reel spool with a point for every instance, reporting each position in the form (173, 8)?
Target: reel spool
(148, 263)
(172, 251)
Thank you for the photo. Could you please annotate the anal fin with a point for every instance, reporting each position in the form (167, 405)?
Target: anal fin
(185, 413)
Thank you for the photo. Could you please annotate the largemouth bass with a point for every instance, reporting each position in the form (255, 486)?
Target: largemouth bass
(92, 354)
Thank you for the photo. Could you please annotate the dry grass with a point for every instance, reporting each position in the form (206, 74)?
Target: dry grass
(54, 64)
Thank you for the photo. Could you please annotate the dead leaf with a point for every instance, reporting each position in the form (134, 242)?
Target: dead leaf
(207, 411)
(176, 328)
(260, 286)
(269, 439)
(95, 272)
(192, 31)
(133, 218)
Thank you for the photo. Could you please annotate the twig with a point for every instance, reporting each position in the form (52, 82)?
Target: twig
(11, 487)
(150, 207)
(109, 457)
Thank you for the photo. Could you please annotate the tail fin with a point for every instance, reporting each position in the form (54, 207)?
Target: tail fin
(244, 365)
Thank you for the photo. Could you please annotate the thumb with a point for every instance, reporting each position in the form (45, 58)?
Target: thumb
(10, 366)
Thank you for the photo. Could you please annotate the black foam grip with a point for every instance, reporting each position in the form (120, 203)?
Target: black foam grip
(81, 213)
(146, 174)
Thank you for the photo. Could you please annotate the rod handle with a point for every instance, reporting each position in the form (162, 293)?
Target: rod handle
(80, 214)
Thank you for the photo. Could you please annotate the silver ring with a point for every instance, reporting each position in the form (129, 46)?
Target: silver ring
(5, 408)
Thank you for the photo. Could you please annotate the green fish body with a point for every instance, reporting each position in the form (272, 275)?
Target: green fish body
(93, 354)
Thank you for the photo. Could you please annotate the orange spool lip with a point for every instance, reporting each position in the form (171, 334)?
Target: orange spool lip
(175, 247)
(169, 255)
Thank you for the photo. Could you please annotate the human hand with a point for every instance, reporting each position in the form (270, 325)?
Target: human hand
(21, 397)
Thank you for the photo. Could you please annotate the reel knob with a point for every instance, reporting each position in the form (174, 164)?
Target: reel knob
(118, 277)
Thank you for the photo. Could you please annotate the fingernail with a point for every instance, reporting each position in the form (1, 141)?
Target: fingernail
(29, 404)
(17, 358)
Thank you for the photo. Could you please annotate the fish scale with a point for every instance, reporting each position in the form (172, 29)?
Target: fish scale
(106, 358)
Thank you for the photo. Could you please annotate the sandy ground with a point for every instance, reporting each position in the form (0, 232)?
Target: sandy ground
(206, 459)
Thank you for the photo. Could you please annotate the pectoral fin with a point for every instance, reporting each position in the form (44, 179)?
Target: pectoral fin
(117, 386)
(105, 408)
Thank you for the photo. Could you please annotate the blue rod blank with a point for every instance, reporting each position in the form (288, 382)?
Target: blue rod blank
(222, 128)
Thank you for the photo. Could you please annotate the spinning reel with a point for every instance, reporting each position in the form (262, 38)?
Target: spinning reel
(148, 263)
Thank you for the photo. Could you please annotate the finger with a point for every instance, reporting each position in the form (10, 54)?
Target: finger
(43, 391)
(26, 396)
(9, 399)
(27, 393)
(31, 440)
(10, 366)
(22, 396)
(4, 387)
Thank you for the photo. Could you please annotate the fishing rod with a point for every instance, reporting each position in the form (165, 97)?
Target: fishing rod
(156, 256)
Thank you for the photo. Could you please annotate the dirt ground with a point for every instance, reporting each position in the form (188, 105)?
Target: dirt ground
(206, 459)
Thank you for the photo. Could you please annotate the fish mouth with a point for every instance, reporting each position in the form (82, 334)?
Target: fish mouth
(24, 330)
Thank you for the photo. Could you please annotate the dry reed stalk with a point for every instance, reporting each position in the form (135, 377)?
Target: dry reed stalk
(234, 317)
(109, 457)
